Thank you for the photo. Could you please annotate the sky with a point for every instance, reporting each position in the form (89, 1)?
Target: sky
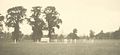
(85, 15)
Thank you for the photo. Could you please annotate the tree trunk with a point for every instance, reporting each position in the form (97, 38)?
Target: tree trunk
(40, 34)
(16, 32)
(49, 30)
(50, 34)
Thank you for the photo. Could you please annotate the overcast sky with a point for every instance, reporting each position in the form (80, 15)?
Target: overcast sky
(84, 15)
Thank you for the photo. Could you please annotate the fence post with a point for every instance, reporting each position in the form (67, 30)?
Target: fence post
(75, 40)
(15, 41)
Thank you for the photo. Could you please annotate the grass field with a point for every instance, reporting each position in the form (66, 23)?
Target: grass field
(27, 47)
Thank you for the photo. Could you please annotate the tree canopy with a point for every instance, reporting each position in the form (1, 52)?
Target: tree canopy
(15, 16)
(36, 22)
(52, 19)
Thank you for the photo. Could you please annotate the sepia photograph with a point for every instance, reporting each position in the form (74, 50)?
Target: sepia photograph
(59, 27)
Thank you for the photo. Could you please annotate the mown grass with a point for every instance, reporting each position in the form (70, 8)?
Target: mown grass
(27, 47)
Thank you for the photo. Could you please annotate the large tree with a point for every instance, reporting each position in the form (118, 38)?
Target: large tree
(92, 34)
(37, 23)
(52, 19)
(1, 20)
(1, 24)
(15, 16)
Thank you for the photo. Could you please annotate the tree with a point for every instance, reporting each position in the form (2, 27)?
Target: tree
(1, 19)
(52, 19)
(100, 35)
(73, 35)
(116, 34)
(92, 34)
(61, 37)
(15, 16)
(75, 30)
(1, 25)
(37, 23)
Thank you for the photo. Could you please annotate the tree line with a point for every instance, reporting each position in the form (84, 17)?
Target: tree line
(108, 35)
(16, 15)
(101, 35)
